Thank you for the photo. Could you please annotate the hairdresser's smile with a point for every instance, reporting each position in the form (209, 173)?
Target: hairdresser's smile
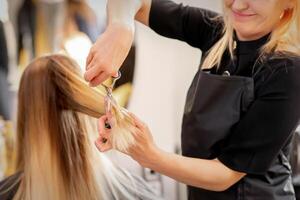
(242, 16)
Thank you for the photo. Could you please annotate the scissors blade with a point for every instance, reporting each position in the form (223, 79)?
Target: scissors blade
(109, 100)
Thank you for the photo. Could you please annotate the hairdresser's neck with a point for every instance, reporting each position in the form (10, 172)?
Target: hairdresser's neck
(251, 37)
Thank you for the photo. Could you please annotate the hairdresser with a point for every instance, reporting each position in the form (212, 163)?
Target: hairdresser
(242, 106)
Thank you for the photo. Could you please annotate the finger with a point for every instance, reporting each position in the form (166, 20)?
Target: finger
(109, 114)
(93, 62)
(139, 135)
(115, 75)
(105, 137)
(104, 140)
(93, 71)
(101, 123)
(99, 79)
(107, 125)
(137, 121)
(88, 60)
(102, 147)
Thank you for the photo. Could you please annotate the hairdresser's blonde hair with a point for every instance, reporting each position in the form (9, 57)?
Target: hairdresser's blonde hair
(285, 38)
(55, 149)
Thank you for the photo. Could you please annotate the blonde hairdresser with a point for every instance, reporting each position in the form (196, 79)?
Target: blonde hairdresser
(262, 33)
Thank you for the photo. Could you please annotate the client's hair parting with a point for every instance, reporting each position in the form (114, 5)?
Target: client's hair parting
(56, 128)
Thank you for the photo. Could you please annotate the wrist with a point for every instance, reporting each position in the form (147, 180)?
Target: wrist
(122, 12)
(121, 33)
(122, 26)
(157, 156)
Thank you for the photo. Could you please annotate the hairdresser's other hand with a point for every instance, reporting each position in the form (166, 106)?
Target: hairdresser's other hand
(145, 150)
(103, 142)
(108, 53)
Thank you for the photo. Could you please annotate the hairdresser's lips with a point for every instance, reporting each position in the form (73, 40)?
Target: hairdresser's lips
(238, 16)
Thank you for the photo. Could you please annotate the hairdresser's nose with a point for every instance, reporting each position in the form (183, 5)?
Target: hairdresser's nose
(240, 5)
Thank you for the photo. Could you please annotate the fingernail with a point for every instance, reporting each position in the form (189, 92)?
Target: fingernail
(97, 145)
(107, 125)
(104, 140)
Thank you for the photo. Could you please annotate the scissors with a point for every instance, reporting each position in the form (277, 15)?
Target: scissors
(109, 100)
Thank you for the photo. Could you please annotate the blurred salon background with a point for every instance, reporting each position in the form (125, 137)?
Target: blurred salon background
(154, 82)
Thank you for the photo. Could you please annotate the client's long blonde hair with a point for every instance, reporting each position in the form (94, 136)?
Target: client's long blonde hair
(55, 149)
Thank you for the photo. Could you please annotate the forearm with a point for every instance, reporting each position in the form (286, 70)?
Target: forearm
(206, 174)
(125, 11)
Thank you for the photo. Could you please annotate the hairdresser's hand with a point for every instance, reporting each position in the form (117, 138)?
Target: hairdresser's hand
(145, 150)
(103, 142)
(108, 53)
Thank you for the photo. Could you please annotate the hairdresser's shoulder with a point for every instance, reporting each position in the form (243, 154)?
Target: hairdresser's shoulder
(9, 186)
(199, 27)
(283, 61)
(172, 11)
(280, 74)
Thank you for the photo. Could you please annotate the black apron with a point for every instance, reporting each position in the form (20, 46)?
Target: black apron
(214, 105)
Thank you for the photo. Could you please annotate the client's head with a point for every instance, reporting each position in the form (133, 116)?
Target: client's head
(55, 149)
